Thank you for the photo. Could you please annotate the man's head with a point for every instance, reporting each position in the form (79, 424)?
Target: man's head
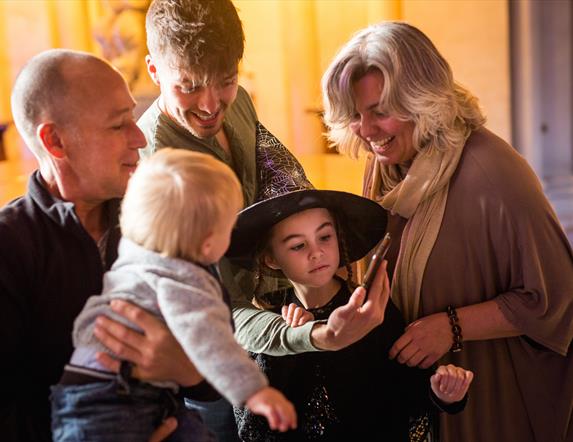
(194, 51)
(182, 204)
(75, 113)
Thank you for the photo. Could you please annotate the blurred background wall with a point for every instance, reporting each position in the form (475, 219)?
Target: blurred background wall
(516, 56)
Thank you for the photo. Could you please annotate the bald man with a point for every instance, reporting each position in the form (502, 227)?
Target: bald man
(75, 113)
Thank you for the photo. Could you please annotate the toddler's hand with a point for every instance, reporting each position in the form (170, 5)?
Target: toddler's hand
(296, 316)
(271, 403)
(450, 383)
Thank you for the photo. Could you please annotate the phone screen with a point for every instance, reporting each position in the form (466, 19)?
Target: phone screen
(375, 261)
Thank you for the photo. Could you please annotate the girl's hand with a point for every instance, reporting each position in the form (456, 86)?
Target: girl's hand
(450, 383)
(295, 316)
(349, 323)
(271, 403)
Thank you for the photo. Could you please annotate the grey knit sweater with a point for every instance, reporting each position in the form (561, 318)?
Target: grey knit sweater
(190, 301)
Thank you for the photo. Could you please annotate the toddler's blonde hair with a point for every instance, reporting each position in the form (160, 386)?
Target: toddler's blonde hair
(175, 199)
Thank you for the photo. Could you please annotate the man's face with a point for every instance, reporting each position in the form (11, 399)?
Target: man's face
(101, 139)
(196, 105)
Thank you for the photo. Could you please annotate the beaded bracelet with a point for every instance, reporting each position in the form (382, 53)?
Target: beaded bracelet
(456, 329)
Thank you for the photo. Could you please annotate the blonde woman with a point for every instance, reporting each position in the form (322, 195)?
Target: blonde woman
(484, 272)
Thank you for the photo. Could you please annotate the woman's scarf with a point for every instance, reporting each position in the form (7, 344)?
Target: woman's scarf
(421, 198)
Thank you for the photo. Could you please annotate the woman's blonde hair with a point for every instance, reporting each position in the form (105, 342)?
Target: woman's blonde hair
(175, 199)
(418, 87)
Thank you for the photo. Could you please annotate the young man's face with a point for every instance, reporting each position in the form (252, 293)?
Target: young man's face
(194, 105)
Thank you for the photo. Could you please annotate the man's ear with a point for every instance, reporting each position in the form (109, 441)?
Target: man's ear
(152, 69)
(50, 139)
(270, 262)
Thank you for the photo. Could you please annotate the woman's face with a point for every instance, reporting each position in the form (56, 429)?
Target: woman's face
(387, 137)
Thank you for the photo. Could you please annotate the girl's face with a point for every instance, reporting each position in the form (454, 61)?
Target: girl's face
(305, 247)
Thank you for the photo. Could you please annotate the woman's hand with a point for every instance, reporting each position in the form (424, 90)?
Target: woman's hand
(429, 338)
(295, 316)
(156, 354)
(450, 383)
(278, 410)
(351, 322)
(424, 342)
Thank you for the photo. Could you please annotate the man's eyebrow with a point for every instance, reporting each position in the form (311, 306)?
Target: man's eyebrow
(187, 81)
(120, 112)
(231, 75)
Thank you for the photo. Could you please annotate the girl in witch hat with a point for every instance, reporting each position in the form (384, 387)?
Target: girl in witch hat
(306, 235)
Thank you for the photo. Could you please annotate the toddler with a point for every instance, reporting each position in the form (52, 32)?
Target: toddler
(176, 221)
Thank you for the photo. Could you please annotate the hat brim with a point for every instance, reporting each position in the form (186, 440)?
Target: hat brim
(362, 221)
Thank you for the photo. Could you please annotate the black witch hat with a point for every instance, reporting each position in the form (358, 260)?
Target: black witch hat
(284, 189)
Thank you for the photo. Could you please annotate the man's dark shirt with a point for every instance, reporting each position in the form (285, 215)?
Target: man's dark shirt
(49, 266)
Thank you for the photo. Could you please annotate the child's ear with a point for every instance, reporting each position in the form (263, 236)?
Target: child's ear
(270, 262)
(207, 245)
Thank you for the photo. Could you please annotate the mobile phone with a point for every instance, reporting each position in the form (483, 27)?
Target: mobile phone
(375, 261)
